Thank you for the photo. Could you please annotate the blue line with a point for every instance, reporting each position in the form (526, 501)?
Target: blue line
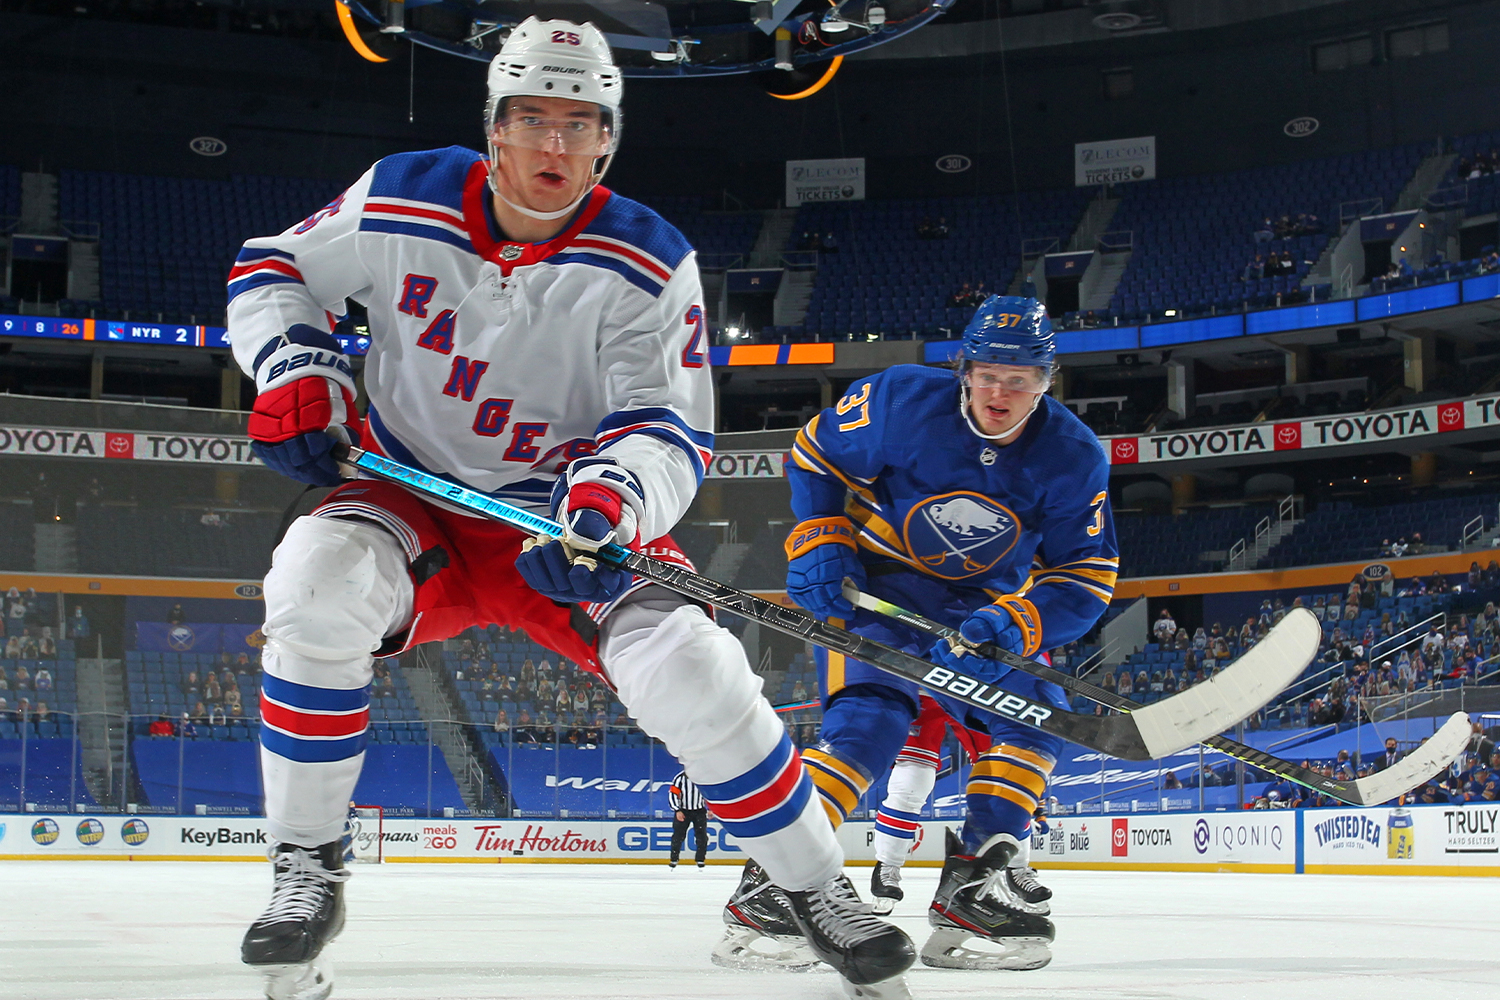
(1301, 844)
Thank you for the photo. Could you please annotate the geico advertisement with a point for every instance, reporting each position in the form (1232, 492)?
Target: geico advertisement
(1212, 838)
(1446, 835)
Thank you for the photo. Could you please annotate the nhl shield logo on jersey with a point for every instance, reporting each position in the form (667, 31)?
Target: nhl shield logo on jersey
(959, 535)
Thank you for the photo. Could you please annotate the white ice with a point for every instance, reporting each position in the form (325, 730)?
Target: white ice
(128, 930)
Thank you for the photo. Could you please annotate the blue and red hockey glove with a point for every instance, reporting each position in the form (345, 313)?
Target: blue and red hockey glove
(597, 501)
(304, 406)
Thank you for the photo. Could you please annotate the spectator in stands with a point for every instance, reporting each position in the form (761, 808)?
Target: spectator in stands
(925, 228)
(30, 648)
(190, 685)
(1489, 261)
(15, 608)
(211, 691)
(1142, 682)
(1200, 639)
(1164, 628)
(200, 712)
(1221, 649)
(1255, 269)
(231, 696)
(502, 722)
(43, 713)
(217, 716)
(1127, 684)
(22, 678)
(1437, 583)
(1170, 782)
(1108, 682)
(958, 300)
(1169, 683)
(1265, 232)
(830, 242)
(1417, 547)
(1181, 641)
(580, 701)
(4, 679)
(162, 726)
(78, 625)
(1158, 684)
(13, 646)
(176, 616)
(43, 680)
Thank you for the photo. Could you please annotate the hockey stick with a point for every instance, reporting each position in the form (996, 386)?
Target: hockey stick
(1116, 735)
(1268, 656)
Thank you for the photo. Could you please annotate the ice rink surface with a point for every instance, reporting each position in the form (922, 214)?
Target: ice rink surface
(128, 930)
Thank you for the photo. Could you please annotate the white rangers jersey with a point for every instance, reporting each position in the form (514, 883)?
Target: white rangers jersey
(494, 363)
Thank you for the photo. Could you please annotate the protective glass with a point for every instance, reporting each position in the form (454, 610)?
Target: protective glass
(1033, 383)
(563, 135)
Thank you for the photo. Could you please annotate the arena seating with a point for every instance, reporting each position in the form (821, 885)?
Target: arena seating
(1193, 236)
(167, 243)
(16, 540)
(60, 695)
(1338, 531)
(155, 542)
(886, 280)
(717, 236)
(1168, 544)
(10, 193)
(54, 774)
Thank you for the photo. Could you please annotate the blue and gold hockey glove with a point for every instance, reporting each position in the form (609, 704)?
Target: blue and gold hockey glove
(820, 553)
(1011, 623)
(598, 502)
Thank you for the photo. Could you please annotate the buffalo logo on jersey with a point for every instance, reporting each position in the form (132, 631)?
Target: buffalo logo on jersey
(959, 535)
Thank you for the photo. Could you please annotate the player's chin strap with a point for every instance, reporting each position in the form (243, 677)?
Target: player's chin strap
(561, 213)
(963, 406)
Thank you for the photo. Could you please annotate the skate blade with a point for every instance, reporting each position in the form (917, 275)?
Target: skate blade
(303, 981)
(894, 988)
(881, 905)
(741, 948)
(946, 949)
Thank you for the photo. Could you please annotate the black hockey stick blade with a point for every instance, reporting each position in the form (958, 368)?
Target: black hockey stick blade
(1412, 770)
(1116, 735)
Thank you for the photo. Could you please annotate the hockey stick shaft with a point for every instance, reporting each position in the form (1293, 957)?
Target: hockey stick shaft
(1104, 734)
(1349, 792)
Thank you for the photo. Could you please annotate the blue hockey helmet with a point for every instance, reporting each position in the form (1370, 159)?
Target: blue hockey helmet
(1010, 330)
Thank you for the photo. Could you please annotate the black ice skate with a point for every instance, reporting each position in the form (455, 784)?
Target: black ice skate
(885, 888)
(1028, 889)
(306, 912)
(869, 953)
(761, 933)
(975, 900)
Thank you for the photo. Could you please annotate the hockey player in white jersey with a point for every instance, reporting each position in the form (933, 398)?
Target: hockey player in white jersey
(536, 337)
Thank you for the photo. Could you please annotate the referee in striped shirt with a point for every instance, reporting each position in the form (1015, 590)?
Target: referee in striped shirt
(687, 807)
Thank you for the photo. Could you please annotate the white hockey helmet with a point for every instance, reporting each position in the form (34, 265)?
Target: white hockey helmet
(556, 58)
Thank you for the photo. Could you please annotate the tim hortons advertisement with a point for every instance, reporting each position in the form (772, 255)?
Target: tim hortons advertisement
(1303, 435)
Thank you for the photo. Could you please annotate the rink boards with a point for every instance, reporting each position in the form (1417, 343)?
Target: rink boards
(1422, 840)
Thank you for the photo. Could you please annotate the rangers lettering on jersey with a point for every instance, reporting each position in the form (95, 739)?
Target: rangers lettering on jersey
(558, 347)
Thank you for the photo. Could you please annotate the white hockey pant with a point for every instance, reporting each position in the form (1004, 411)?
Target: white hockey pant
(688, 683)
(337, 588)
(906, 791)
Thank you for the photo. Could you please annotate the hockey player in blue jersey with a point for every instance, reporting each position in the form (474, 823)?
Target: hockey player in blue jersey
(981, 502)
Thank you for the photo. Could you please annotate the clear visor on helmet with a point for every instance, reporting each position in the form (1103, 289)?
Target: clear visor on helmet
(1033, 380)
(584, 132)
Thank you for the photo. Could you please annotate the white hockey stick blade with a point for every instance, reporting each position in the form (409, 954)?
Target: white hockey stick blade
(1214, 706)
(1429, 759)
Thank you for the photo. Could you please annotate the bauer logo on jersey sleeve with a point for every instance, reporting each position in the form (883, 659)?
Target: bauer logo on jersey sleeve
(959, 535)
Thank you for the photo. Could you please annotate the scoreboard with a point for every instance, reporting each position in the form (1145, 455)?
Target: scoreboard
(112, 331)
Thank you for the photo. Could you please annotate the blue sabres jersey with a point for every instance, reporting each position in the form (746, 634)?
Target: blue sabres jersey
(929, 495)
